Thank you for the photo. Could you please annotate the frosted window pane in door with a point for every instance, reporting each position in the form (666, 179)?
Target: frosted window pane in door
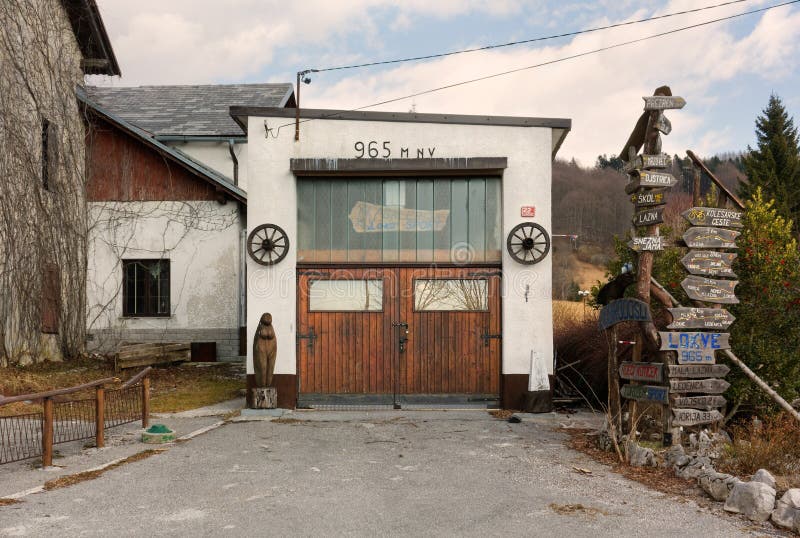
(450, 294)
(345, 295)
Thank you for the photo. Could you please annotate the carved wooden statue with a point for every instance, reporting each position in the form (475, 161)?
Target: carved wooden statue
(264, 350)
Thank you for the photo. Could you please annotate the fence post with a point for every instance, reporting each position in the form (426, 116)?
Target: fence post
(47, 433)
(145, 402)
(100, 417)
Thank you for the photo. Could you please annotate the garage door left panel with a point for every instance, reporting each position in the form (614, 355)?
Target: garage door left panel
(345, 334)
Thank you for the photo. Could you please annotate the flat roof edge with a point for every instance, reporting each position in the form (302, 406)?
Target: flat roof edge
(238, 112)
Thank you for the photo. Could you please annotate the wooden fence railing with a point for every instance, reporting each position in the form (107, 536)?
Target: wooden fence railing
(29, 435)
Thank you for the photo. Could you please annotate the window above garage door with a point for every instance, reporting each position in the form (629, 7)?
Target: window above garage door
(399, 220)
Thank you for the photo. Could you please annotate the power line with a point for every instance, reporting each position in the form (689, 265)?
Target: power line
(542, 64)
(522, 42)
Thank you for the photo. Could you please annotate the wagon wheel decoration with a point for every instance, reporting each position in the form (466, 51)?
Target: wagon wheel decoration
(528, 243)
(267, 244)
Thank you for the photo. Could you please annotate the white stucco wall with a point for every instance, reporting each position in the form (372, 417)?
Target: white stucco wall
(272, 198)
(217, 156)
(202, 242)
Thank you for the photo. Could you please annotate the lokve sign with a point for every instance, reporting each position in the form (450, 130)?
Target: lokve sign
(648, 393)
(650, 197)
(691, 417)
(699, 402)
(642, 371)
(647, 178)
(709, 386)
(709, 263)
(621, 310)
(697, 370)
(694, 347)
(650, 216)
(700, 318)
(713, 216)
(707, 237)
(710, 290)
(647, 243)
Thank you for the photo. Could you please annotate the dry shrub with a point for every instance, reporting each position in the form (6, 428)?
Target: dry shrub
(773, 444)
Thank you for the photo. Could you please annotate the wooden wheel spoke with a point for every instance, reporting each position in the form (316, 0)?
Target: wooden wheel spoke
(272, 236)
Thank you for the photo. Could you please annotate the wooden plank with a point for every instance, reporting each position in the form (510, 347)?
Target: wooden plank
(700, 318)
(692, 417)
(648, 243)
(713, 216)
(173, 356)
(709, 262)
(697, 370)
(649, 197)
(671, 341)
(699, 402)
(645, 161)
(708, 386)
(663, 124)
(642, 371)
(648, 178)
(710, 290)
(625, 309)
(648, 217)
(708, 237)
(663, 102)
(700, 164)
(647, 393)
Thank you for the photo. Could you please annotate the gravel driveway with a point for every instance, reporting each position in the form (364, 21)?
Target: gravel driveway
(435, 473)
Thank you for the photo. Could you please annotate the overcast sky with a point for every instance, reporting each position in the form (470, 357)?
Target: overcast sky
(725, 71)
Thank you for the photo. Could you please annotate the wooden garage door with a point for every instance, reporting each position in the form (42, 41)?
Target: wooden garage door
(352, 336)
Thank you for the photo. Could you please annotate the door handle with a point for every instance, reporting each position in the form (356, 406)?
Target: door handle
(403, 334)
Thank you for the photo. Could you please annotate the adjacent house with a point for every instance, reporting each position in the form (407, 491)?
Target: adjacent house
(46, 48)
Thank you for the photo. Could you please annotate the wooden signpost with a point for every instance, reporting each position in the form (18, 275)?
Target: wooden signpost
(625, 309)
(691, 417)
(662, 124)
(700, 318)
(662, 102)
(648, 393)
(710, 290)
(671, 341)
(648, 178)
(649, 197)
(709, 386)
(709, 263)
(642, 371)
(699, 402)
(713, 216)
(648, 243)
(659, 160)
(697, 370)
(707, 237)
(648, 217)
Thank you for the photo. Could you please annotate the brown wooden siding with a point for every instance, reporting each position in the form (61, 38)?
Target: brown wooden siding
(121, 168)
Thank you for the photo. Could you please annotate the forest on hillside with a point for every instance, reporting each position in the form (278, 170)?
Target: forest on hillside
(590, 207)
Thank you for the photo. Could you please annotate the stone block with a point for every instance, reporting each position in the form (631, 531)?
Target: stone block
(764, 476)
(787, 509)
(755, 500)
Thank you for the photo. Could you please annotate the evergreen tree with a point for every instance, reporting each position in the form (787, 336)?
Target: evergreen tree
(774, 165)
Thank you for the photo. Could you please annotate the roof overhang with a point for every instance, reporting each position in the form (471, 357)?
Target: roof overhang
(560, 126)
(219, 181)
(90, 32)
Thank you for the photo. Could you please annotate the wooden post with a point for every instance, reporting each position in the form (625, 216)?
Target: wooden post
(100, 417)
(47, 433)
(614, 406)
(697, 197)
(265, 398)
(145, 402)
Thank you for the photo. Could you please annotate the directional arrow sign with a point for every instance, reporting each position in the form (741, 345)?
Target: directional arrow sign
(646, 217)
(690, 417)
(710, 386)
(709, 262)
(649, 197)
(624, 309)
(700, 318)
(713, 216)
(694, 348)
(698, 370)
(660, 160)
(647, 243)
(663, 102)
(648, 393)
(662, 124)
(699, 402)
(642, 371)
(647, 178)
(705, 237)
(710, 290)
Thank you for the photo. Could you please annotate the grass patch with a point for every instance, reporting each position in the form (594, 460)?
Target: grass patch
(172, 388)
(77, 478)
(773, 445)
